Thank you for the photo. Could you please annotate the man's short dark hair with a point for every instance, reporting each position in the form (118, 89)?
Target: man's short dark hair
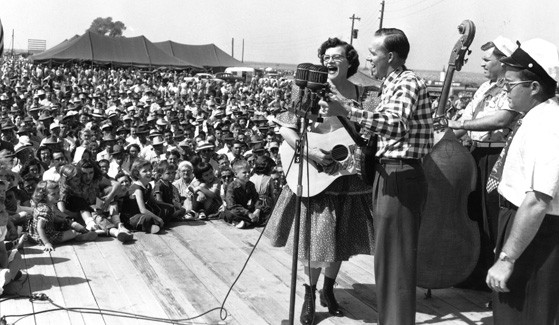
(103, 161)
(86, 164)
(395, 41)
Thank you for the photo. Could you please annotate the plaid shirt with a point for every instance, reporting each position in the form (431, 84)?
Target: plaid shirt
(403, 119)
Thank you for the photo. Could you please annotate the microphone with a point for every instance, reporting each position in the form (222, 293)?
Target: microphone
(318, 78)
(317, 84)
(302, 74)
(301, 77)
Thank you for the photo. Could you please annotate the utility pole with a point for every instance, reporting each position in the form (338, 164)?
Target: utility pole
(381, 14)
(233, 47)
(351, 36)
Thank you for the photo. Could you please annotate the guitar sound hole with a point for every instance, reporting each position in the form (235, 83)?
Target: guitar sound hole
(340, 153)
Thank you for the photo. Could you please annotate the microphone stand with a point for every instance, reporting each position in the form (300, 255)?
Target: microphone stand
(299, 155)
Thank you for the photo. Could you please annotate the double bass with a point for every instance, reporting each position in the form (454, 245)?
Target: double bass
(449, 241)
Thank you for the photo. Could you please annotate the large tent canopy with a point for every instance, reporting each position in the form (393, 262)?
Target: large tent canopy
(119, 51)
(208, 55)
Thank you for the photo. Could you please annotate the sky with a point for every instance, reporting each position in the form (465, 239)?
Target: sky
(289, 31)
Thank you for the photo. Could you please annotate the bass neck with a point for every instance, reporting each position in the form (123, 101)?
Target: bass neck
(441, 107)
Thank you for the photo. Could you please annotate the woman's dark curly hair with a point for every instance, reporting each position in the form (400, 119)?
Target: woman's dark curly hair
(350, 53)
(33, 162)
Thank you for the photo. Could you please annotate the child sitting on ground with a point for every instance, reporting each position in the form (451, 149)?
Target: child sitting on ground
(19, 220)
(264, 185)
(135, 213)
(243, 203)
(166, 194)
(48, 228)
(205, 187)
(10, 260)
(70, 202)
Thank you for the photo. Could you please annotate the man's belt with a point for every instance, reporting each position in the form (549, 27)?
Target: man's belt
(397, 161)
(504, 203)
(485, 144)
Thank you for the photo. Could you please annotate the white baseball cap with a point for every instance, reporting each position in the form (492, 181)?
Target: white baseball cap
(503, 44)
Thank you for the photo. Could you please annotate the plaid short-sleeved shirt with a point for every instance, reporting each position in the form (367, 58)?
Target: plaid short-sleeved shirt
(403, 119)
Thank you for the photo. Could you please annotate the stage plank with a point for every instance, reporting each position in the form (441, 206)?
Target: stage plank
(277, 261)
(108, 292)
(206, 266)
(43, 279)
(74, 285)
(188, 270)
(136, 287)
(175, 286)
(18, 306)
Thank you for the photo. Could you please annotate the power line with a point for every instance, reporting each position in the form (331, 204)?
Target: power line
(393, 10)
(421, 10)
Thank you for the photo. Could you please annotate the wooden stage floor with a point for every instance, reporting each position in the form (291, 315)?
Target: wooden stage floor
(189, 269)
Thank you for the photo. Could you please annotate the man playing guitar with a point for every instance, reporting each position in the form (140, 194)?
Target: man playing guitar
(404, 127)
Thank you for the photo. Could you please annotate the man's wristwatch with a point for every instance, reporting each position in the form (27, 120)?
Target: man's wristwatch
(505, 258)
(462, 124)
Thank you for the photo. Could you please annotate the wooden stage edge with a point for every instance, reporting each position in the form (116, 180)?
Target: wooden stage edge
(188, 270)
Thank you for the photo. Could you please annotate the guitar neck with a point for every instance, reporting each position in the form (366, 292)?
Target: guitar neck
(357, 138)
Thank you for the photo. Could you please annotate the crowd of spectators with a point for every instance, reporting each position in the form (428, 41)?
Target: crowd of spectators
(90, 150)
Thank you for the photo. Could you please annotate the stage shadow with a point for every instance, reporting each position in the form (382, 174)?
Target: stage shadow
(188, 223)
(40, 282)
(437, 307)
(365, 293)
(32, 250)
(445, 300)
(105, 239)
(43, 260)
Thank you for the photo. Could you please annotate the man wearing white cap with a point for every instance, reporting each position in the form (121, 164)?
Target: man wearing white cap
(524, 276)
(487, 121)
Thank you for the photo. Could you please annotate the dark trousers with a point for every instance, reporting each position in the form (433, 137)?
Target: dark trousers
(534, 283)
(399, 193)
(483, 208)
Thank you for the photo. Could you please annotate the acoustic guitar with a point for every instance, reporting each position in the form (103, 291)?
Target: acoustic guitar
(315, 178)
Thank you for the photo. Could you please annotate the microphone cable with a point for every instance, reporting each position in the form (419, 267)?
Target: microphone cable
(223, 313)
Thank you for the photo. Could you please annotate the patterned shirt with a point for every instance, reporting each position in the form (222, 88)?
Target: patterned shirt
(488, 99)
(403, 119)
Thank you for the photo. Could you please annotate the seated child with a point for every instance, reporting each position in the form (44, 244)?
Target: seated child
(226, 178)
(19, 220)
(166, 194)
(10, 259)
(264, 185)
(243, 203)
(49, 228)
(70, 201)
(135, 213)
(205, 187)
